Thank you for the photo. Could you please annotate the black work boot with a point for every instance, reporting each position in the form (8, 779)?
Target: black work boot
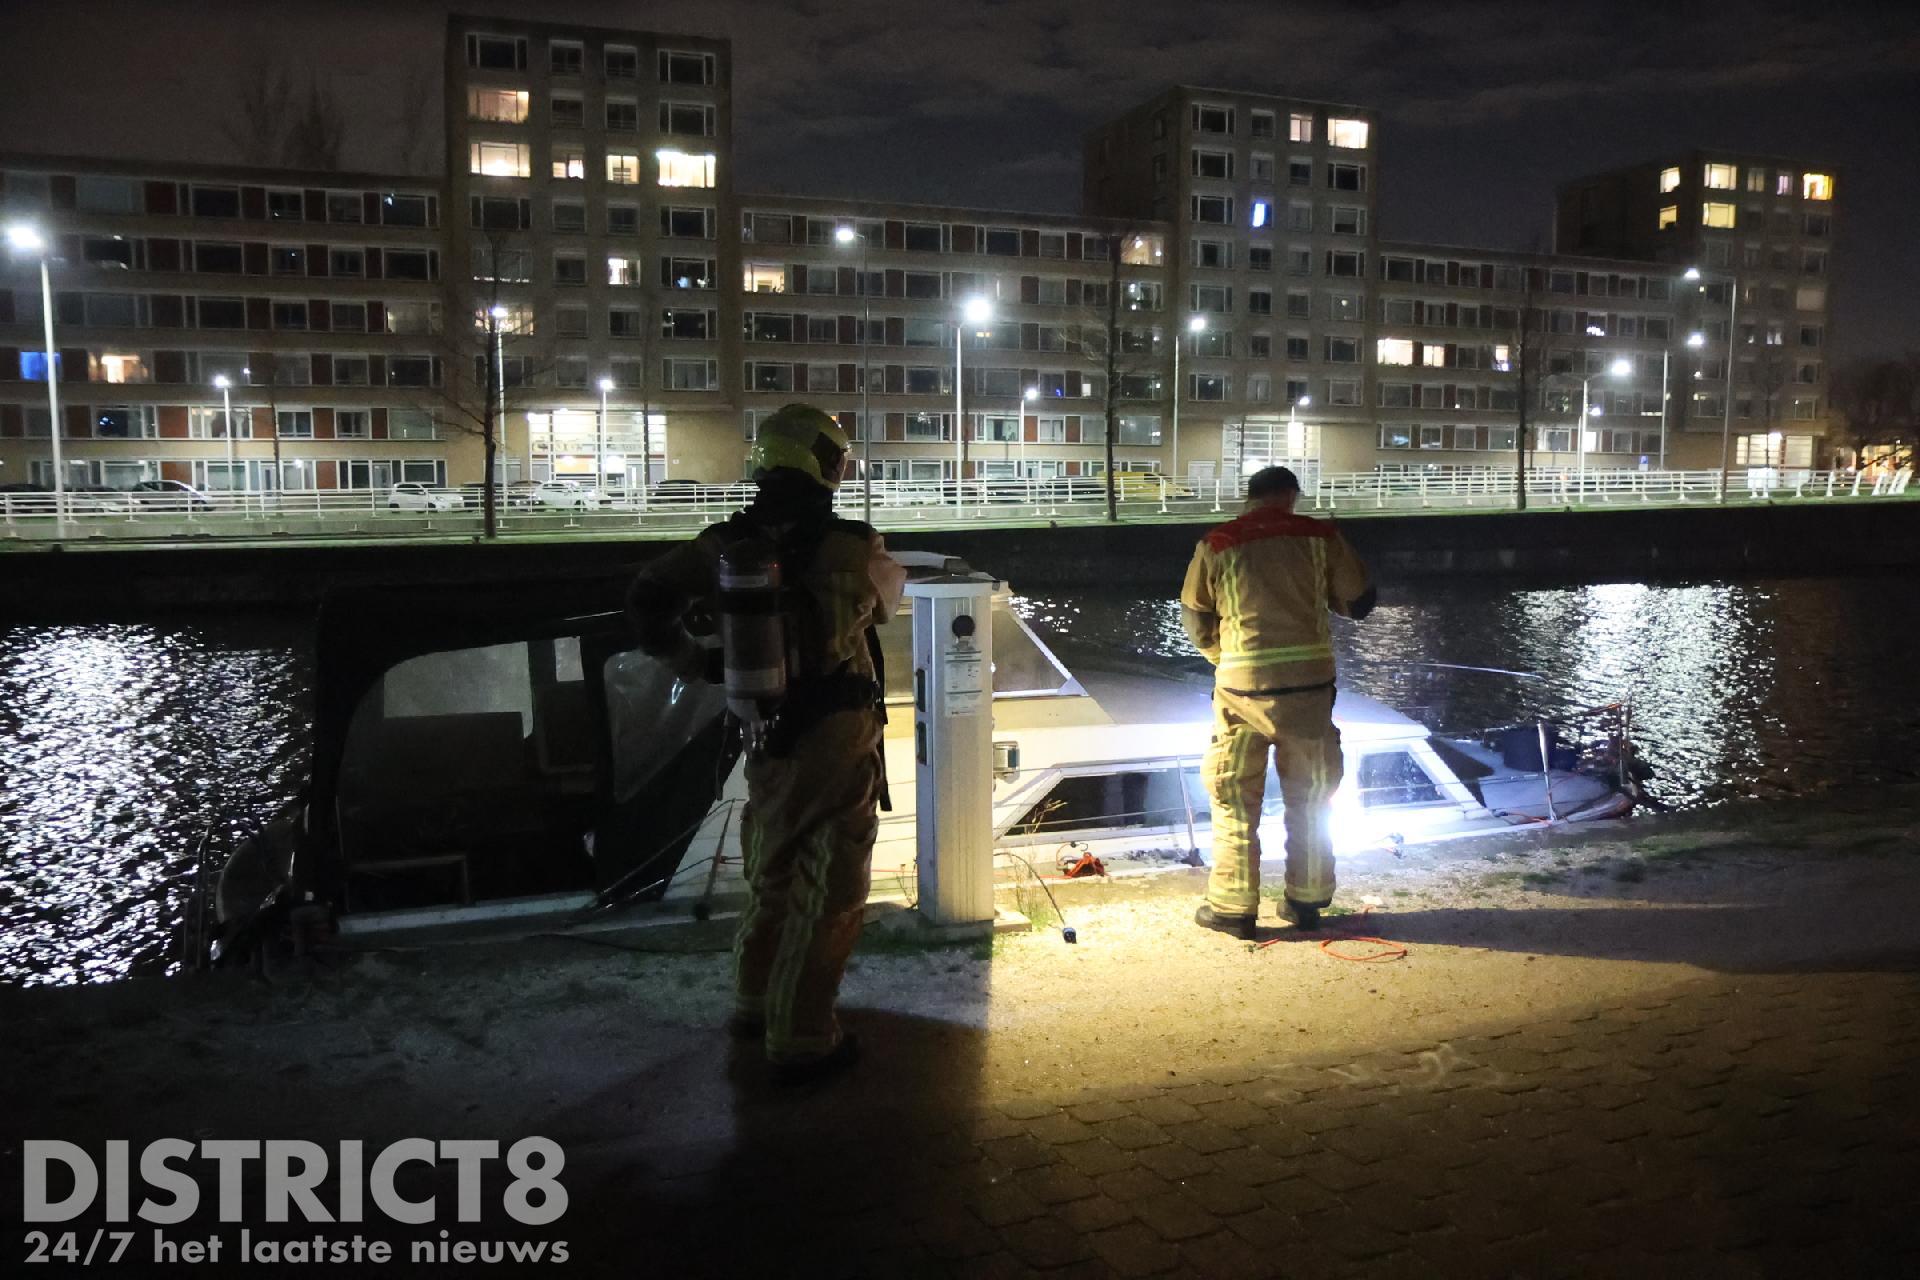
(812, 1070)
(1305, 916)
(1239, 926)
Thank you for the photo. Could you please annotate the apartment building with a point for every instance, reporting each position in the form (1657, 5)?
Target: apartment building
(1269, 203)
(644, 313)
(316, 296)
(1759, 230)
(591, 178)
(1447, 377)
(896, 299)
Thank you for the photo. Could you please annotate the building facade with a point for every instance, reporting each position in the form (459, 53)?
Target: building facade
(1759, 233)
(1225, 297)
(318, 297)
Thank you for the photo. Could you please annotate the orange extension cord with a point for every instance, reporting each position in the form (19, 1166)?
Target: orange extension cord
(1388, 951)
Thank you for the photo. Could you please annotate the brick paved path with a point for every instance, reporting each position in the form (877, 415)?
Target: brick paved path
(1738, 1125)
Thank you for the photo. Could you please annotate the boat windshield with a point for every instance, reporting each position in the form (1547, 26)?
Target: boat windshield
(1022, 665)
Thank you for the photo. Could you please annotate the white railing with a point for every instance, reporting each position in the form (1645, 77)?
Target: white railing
(897, 504)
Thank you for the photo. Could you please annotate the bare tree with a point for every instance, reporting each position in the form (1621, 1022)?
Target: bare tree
(316, 131)
(469, 385)
(262, 109)
(1529, 359)
(1879, 404)
(275, 119)
(414, 130)
(1125, 352)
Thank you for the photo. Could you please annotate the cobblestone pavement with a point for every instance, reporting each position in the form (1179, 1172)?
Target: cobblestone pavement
(1737, 1125)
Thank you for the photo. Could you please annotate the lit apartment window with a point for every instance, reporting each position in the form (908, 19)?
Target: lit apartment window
(1351, 134)
(1502, 359)
(569, 162)
(1716, 215)
(1670, 179)
(1721, 177)
(498, 159)
(1300, 127)
(1144, 251)
(623, 167)
(500, 106)
(677, 169)
(1393, 351)
(622, 271)
(1434, 356)
(765, 277)
(1816, 186)
(118, 367)
(1669, 214)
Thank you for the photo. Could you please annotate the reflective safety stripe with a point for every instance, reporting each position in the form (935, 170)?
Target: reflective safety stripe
(1286, 653)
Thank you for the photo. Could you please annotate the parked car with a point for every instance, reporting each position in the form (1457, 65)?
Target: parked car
(411, 495)
(168, 495)
(674, 493)
(97, 499)
(515, 496)
(565, 495)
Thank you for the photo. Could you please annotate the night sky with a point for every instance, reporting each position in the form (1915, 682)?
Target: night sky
(1485, 107)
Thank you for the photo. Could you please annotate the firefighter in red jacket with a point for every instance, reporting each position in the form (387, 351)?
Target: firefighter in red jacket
(1255, 603)
(815, 772)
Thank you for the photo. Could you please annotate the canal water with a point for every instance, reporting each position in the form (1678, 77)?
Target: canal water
(125, 746)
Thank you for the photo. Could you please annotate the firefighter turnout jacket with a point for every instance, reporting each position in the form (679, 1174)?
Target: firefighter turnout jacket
(1257, 594)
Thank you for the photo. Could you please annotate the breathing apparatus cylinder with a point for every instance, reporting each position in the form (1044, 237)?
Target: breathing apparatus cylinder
(753, 639)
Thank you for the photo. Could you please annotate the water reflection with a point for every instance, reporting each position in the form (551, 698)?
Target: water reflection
(1752, 688)
(120, 745)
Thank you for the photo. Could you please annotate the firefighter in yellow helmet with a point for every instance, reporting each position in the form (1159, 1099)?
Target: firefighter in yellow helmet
(814, 765)
(1255, 603)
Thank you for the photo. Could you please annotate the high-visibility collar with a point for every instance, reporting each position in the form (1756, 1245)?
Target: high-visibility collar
(1267, 522)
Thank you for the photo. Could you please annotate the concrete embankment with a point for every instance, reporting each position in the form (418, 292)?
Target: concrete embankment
(103, 581)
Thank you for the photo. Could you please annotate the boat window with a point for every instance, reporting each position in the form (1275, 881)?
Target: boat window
(1020, 663)
(1394, 777)
(1132, 798)
(469, 774)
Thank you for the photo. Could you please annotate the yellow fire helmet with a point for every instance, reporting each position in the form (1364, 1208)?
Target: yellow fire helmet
(801, 438)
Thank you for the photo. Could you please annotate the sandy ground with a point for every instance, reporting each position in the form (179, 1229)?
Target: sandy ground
(609, 1042)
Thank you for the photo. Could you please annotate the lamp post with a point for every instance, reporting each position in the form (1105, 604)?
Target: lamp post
(1590, 411)
(225, 384)
(1726, 418)
(25, 238)
(1293, 425)
(495, 314)
(1027, 399)
(1196, 325)
(847, 235)
(600, 441)
(975, 311)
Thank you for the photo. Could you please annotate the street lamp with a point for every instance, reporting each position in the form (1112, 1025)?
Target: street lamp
(225, 384)
(1588, 412)
(847, 235)
(1196, 325)
(1733, 322)
(975, 311)
(1027, 399)
(600, 440)
(24, 237)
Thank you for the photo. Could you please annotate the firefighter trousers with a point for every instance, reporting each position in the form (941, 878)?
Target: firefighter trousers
(807, 836)
(1297, 730)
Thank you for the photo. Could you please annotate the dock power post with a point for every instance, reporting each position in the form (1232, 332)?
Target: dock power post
(953, 746)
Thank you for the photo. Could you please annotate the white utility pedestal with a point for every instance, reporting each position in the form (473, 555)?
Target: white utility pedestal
(953, 746)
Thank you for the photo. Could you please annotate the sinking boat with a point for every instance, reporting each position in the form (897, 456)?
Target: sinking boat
(482, 756)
